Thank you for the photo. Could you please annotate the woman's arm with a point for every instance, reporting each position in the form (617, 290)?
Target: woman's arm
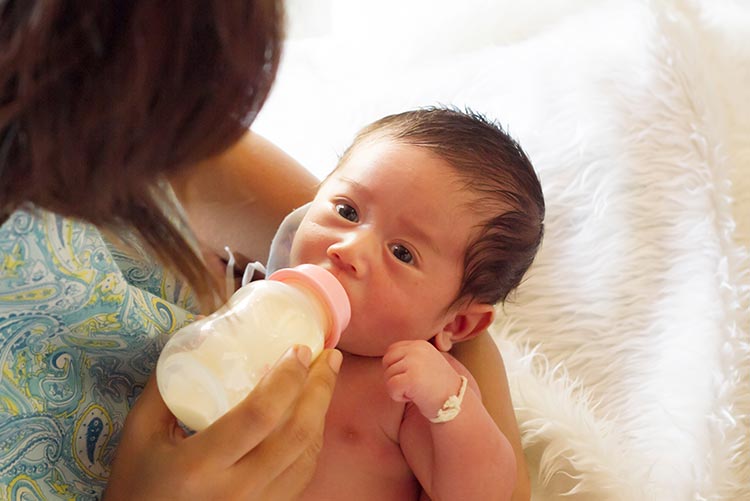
(481, 356)
(239, 197)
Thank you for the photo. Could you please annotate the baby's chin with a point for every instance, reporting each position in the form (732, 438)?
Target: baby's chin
(359, 348)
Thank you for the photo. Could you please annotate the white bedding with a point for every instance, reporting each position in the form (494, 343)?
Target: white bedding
(628, 346)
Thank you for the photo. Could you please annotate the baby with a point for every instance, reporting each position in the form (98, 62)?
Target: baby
(430, 218)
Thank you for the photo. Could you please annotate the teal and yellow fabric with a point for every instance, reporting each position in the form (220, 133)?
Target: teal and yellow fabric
(82, 321)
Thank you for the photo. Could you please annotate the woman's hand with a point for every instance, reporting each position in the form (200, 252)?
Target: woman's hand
(264, 448)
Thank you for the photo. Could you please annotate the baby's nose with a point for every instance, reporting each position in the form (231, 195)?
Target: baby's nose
(352, 254)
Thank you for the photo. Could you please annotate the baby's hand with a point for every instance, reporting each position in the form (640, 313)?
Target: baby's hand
(415, 371)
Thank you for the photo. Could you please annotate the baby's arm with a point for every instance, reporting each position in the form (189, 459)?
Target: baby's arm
(465, 458)
(482, 358)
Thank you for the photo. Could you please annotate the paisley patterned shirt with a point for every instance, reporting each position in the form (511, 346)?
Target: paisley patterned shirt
(82, 321)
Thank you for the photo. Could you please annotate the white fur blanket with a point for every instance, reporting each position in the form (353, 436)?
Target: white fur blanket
(628, 346)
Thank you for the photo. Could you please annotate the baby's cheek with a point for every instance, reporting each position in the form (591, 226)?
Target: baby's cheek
(300, 250)
(309, 245)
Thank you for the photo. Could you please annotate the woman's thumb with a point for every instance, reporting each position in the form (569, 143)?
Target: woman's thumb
(150, 411)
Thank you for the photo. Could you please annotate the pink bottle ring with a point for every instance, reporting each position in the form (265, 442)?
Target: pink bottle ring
(328, 289)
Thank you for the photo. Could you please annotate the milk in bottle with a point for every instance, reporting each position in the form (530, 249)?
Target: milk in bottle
(210, 365)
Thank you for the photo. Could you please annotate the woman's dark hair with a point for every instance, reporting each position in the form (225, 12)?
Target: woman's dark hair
(101, 100)
(494, 167)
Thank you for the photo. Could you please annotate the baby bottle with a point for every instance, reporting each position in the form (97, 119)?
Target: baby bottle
(210, 365)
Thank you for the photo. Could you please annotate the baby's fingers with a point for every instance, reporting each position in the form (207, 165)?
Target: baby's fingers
(396, 352)
(398, 386)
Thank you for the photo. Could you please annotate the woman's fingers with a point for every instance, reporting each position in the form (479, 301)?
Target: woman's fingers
(294, 446)
(249, 423)
(264, 448)
(150, 433)
(150, 412)
(292, 481)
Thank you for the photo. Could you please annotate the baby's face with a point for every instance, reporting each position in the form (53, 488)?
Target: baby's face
(392, 224)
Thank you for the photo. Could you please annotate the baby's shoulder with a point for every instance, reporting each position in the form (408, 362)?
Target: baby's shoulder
(458, 366)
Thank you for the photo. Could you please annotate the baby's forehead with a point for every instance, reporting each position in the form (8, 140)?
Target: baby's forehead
(437, 173)
(380, 139)
(392, 148)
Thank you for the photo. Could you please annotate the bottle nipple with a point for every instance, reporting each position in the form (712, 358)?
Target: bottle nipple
(327, 288)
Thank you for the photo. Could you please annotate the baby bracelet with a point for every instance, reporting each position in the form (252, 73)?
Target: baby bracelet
(452, 405)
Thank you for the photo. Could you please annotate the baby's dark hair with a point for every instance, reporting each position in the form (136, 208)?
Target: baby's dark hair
(492, 165)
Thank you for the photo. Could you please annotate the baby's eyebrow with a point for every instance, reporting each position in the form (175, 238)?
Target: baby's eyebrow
(355, 184)
(414, 229)
(361, 191)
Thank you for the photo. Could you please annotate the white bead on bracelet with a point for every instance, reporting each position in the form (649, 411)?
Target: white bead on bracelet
(452, 405)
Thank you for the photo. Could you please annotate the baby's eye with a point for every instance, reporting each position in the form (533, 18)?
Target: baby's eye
(402, 253)
(347, 212)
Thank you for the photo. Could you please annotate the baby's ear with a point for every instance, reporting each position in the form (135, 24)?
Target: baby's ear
(465, 323)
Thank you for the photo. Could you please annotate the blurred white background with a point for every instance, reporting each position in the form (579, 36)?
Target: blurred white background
(353, 53)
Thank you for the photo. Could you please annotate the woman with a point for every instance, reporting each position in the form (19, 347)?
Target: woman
(101, 104)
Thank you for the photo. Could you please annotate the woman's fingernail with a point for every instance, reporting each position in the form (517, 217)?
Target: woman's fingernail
(334, 360)
(304, 355)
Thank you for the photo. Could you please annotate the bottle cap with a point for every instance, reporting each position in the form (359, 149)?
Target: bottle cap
(328, 288)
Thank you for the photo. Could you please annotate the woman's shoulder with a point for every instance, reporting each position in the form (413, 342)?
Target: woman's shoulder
(48, 261)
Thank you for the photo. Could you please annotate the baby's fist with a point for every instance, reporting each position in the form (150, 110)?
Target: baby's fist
(415, 371)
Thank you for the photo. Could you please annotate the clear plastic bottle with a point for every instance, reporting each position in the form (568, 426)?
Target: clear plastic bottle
(207, 367)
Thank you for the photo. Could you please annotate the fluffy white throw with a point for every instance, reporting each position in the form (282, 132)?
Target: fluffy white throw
(628, 345)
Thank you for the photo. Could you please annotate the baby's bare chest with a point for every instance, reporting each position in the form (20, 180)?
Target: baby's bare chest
(361, 456)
